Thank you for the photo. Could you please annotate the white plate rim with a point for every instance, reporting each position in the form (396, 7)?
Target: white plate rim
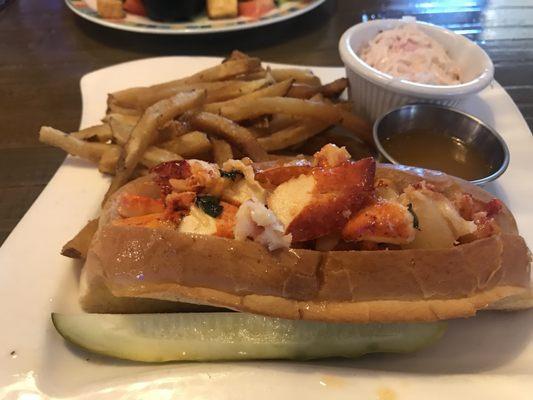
(195, 31)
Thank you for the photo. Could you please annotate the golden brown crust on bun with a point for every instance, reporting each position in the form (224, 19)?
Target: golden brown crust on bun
(349, 286)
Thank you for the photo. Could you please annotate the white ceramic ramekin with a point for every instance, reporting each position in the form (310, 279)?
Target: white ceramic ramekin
(373, 93)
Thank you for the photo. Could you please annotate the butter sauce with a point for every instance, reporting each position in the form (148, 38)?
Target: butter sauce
(440, 152)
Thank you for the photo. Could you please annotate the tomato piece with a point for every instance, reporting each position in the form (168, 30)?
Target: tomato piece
(255, 8)
(134, 7)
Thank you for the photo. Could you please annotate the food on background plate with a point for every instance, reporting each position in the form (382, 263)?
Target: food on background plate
(164, 10)
(111, 9)
(256, 8)
(136, 6)
(222, 9)
(406, 52)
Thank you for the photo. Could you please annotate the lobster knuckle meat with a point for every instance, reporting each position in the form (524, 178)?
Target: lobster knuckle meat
(131, 205)
(381, 222)
(315, 205)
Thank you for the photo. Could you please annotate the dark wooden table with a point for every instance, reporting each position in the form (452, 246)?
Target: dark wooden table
(45, 49)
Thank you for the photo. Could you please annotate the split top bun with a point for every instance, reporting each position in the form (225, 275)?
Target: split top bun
(329, 239)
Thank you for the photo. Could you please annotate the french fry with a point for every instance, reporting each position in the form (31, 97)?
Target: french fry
(345, 105)
(299, 75)
(331, 90)
(224, 71)
(91, 151)
(102, 133)
(219, 72)
(230, 131)
(221, 150)
(252, 76)
(262, 123)
(292, 135)
(173, 129)
(151, 157)
(303, 91)
(258, 132)
(152, 95)
(281, 121)
(334, 89)
(108, 161)
(121, 126)
(317, 110)
(146, 131)
(236, 55)
(115, 108)
(140, 171)
(189, 145)
(275, 90)
(216, 91)
(235, 89)
(126, 119)
(156, 155)
(78, 246)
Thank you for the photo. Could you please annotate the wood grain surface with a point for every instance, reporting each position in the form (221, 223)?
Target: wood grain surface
(46, 49)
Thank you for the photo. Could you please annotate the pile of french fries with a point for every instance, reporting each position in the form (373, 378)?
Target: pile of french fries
(235, 109)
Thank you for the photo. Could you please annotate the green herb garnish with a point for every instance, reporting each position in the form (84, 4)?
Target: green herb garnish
(415, 217)
(210, 205)
(233, 174)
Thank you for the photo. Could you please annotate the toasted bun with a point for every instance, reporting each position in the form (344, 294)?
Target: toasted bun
(129, 264)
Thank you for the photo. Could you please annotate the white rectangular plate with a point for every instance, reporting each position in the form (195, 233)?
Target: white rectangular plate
(486, 357)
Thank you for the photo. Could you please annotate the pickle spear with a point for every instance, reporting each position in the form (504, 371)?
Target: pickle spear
(236, 336)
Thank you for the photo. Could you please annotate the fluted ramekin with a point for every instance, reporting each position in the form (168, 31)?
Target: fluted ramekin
(373, 92)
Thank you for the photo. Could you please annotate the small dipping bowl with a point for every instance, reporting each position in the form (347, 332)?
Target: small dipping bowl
(464, 130)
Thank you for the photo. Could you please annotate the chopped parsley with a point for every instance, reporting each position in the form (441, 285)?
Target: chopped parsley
(210, 205)
(415, 217)
(233, 174)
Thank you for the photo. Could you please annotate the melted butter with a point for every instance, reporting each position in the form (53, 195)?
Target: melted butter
(332, 381)
(386, 394)
(440, 152)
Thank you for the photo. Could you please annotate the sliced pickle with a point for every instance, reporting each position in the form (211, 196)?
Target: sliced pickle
(236, 336)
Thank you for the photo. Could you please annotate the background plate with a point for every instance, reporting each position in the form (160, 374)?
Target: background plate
(489, 357)
(134, 23)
